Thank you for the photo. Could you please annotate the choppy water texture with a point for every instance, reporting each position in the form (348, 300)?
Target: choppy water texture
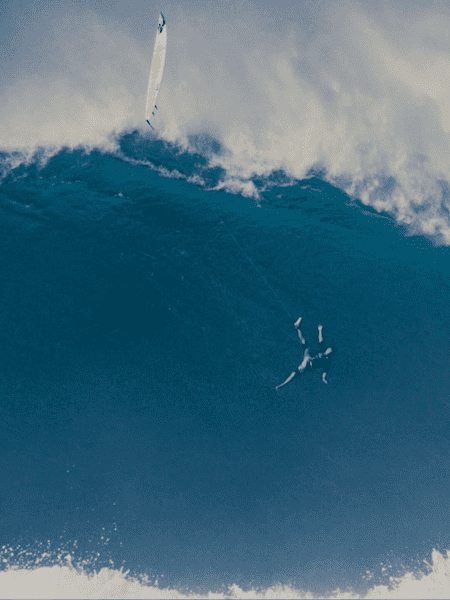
(146, 318)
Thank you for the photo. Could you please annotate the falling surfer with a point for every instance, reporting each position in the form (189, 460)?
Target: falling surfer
(309, 363)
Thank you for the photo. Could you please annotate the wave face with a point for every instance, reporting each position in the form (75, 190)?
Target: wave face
(147, 318)
(149, 285)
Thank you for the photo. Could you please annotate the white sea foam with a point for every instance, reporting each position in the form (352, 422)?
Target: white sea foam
(67, 579)
(239, 186)
(361, 91)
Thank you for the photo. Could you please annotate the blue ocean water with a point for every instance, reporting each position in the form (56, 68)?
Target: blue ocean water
(147, 316)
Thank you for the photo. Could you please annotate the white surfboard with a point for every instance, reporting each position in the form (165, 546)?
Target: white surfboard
(156, 69)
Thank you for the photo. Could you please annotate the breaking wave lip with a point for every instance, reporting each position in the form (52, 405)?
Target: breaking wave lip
(202, 160)
(43, 572)
(198, 158)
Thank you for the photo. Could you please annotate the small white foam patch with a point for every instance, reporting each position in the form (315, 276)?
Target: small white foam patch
(68, 581)
(239, 186)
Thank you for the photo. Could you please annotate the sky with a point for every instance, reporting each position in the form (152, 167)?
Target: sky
(150, 285)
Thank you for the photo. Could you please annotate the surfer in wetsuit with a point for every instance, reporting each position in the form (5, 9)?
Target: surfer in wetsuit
(310, 363)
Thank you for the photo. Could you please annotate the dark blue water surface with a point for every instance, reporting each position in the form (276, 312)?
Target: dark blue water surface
(141, 341)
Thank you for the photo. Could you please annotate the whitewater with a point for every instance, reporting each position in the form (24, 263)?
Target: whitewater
(362, 105)
(69, 579)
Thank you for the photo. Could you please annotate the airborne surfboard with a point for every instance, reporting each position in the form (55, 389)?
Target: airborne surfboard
(156, 69)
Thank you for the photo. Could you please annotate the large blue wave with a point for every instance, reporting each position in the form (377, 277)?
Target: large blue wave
(147, 317)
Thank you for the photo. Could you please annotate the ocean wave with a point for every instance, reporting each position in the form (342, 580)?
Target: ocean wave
(365, 108)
